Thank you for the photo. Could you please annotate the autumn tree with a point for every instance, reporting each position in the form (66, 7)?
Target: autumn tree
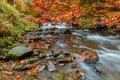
(56, 11)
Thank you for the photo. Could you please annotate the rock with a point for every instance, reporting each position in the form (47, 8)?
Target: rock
(67, 32)
(19, 52)
(24, 67)
(61, 64)
(63, 31)
(51, 66)
(97, 69)
(69, 57)
(42, 68)
(73, 65)
(64, 61)
(60, 56)
(78, 75)
(90, 57)
(101, 27)
(42, 55)
(66, 54)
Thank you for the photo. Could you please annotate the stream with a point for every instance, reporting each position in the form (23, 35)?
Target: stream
(78, 45)
(107, 48)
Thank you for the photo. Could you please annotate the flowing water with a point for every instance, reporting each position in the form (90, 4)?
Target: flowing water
(107, 48)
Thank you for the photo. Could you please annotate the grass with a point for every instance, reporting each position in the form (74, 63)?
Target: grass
(11, 24)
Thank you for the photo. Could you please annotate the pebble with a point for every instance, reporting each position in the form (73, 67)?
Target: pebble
(73, 65)
(61, 64)
(51, 66)
(42, 68)
(78, 75)
(64, 61)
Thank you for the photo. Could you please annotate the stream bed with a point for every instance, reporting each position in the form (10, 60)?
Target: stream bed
(75, 43)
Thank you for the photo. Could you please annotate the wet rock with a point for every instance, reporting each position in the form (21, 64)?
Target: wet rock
(61, 64)
(61, 56)
(63, 31)
(56, 53)
(42, 68)
(73, 65)
(24, 67)
(67, 32)
(51, 66)
(97, 69)
(42, 55)
(19, 52)
(49, 55)
(90, 57)
(101, 27)
(66, 54)
(78, 75)
(69, 57)
(64, 61)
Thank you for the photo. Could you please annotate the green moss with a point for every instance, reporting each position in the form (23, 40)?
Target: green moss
(6, 41)
(11, 21)
(10, 56)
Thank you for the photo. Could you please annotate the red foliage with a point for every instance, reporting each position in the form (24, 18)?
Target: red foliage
(56, 11)
(114, 20)
(115, 3)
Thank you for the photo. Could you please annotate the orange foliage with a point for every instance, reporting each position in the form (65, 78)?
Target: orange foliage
(115, 3)
(56, 11)
(114, 20)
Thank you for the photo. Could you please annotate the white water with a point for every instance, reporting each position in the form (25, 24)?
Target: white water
(49, 25)
(109, 53)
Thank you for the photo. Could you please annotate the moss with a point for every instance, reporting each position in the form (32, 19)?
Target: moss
(10, 56)
(6, 41)
(12, 23)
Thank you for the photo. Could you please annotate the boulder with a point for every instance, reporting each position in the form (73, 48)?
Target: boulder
(19, 52)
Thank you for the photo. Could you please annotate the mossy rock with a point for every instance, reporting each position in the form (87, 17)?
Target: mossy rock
(18, 52)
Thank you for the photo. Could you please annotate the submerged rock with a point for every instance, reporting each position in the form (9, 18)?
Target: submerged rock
(89, 57)
(19, 52)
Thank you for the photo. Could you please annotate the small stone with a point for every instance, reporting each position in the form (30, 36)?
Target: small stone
(42, 68)
(64, 61)
(67, 32)
(66, 54)
(73, 65)
(97, 69)
(60, 56)
(42, 56)
(78, 75)
(69, 57)
(51, 66)
(61, 64)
